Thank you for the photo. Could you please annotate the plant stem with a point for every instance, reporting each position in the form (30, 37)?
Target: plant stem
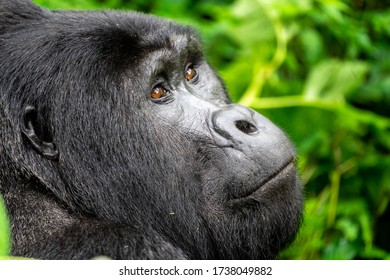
(262, 72)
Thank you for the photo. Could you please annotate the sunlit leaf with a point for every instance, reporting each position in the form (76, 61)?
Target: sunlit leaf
(333, 79)
(349, 228)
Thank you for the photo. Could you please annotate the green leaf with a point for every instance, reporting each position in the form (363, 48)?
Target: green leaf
(5, 244)
(349, 228)
(332, 80)
(340, 250)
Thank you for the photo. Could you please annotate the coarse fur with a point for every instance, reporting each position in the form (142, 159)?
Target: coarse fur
(91, 165)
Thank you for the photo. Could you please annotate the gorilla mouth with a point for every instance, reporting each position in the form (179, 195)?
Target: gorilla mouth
(286, 170)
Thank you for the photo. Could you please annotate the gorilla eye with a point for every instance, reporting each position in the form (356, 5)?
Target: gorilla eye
(190, 73)
(158, 92)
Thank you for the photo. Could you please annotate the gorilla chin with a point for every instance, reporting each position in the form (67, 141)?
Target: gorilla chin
(119, 139)
(254, 223)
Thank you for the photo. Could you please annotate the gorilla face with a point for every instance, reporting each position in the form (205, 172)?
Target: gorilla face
(123, 130)
(243, 166)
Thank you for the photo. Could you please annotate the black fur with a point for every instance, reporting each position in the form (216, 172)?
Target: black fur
(91, 165)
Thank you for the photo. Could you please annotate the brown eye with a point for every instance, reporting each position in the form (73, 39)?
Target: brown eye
(190, 73)
(158, 92)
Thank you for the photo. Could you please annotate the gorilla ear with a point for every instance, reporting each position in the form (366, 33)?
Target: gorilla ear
(33, 131)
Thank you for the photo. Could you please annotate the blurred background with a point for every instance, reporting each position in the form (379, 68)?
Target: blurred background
(320, 69)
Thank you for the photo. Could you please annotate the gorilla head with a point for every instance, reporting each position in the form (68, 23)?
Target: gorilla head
(119, 139)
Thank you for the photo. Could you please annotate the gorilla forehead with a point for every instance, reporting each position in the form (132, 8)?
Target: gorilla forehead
(129, 34)
(105, 45)
(118, 37)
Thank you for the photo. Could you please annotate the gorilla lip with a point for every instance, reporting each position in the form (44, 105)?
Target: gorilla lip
(286, 168)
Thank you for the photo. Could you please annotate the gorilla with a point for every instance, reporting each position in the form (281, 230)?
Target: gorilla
(119, 139)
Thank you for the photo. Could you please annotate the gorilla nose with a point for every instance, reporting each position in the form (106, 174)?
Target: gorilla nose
(235, 123)
(246, 127)
(245, 130)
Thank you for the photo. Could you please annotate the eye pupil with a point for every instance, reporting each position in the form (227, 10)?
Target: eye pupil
(190, 73)
(158, 92)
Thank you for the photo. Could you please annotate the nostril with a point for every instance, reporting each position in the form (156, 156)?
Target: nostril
(246, 127)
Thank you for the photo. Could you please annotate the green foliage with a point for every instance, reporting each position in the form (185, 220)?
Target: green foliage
(319, 69)
(4, 231)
